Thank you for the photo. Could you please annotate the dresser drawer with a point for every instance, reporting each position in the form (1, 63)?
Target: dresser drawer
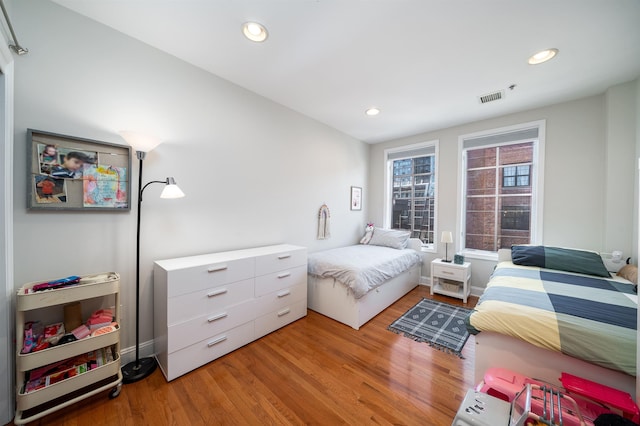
(265, 324)
(187, 306)
(188, 280)
(280, 299)
(456, 274)
(207, 350)
(215, 322)
(275, 262)
(266, 284)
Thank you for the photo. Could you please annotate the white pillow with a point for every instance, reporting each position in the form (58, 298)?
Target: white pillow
(390, 238)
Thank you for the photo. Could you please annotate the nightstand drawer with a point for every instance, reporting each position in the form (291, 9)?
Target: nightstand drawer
(451, 273)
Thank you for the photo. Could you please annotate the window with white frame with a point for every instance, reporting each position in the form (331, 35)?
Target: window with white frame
(410, 201)
(501, 182)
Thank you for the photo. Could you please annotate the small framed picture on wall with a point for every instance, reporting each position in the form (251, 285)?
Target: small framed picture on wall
(356, 198)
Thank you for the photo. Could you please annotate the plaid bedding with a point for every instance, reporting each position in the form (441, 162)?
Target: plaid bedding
(590, 318)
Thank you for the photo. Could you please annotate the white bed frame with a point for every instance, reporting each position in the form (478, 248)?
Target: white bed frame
(334, 300)
(497, 350)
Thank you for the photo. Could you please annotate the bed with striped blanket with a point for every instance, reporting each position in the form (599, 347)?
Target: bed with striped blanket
(585, 317)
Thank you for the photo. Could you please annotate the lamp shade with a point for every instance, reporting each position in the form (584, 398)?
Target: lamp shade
(171, 190)
(139, 141)
(447, 237)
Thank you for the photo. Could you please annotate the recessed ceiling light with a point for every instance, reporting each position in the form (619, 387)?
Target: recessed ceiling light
(255, 31)
(542, 56)
(372, 111)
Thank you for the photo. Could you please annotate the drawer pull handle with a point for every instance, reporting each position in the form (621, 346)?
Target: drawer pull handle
(447, 273)
(283, 294)
(217, 292)
(217, 268)
(215, 342)
(217, 317)
(284, 312)
(285, 275)
(284, 256)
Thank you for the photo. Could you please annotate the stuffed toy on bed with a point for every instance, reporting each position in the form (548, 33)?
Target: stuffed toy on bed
(368, 233)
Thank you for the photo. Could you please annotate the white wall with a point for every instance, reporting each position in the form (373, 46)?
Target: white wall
(6, 232)
(6, 238)
(636, 231)
(576, 176)
(255, 173)
(620, 127)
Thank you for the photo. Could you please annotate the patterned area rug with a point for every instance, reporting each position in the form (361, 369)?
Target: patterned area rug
(439, 324)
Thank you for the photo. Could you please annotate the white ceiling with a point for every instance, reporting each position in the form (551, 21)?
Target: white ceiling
(422, 62)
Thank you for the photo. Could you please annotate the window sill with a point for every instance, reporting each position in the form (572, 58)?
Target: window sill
(480, 255)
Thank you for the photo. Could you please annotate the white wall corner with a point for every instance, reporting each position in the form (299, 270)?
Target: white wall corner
(425, 281)
(477, 291)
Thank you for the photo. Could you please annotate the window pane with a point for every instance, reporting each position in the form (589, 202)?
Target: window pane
(516, 154)
(498, 196)
(480, 228)
(483, 157)
(515, 221)
(509, 171)
(481, 182)
(412, 197)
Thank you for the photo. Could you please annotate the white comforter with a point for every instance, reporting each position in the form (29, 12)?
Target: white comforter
(363, 267)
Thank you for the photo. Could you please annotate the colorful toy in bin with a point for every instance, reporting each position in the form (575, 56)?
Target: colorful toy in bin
(618, 401)
(592, 399)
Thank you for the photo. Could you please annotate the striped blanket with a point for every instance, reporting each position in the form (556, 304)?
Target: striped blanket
(590, 318)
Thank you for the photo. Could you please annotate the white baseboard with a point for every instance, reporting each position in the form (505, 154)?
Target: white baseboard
(129, 354)
(425, 281)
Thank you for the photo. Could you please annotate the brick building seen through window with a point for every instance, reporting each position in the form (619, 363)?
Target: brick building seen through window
(498, 196)
(413, 202)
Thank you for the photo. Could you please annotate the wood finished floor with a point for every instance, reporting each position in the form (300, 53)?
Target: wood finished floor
(314, 371)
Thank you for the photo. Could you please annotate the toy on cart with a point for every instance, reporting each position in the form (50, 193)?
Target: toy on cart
(591, 399)
(532, 405)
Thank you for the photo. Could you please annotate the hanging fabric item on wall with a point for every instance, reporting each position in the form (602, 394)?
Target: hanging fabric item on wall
(324, 223)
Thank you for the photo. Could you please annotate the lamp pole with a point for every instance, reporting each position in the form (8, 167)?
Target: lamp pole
(143, 367)
(140, 368)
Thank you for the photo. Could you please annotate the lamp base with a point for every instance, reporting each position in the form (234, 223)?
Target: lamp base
(446, 261)
(134, 371)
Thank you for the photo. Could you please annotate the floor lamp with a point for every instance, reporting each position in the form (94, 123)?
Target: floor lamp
(143, 367)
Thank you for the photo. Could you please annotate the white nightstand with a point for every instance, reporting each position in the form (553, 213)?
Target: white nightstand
(453, 274)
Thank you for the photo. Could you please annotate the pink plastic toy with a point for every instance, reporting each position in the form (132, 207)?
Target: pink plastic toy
(591, 398)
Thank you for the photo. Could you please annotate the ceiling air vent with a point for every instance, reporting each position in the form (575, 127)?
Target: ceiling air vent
(490, 97)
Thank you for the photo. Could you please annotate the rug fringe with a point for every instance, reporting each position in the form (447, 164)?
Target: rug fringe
(441, 348)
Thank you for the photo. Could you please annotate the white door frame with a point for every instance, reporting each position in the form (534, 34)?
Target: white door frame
(6, 238)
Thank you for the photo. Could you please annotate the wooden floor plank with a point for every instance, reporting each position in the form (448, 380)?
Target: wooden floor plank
(314, 371)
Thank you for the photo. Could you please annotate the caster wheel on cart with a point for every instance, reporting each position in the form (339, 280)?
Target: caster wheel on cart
(115, 392)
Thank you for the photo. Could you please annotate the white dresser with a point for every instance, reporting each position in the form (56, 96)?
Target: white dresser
(209, 305)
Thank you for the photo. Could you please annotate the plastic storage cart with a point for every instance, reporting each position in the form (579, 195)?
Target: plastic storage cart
(39, 403)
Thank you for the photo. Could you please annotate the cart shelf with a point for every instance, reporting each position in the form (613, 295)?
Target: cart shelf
(44, 357)
(39, 403)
